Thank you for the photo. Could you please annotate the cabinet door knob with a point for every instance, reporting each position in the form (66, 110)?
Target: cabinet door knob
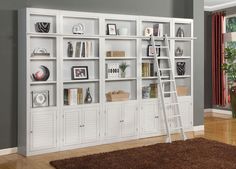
(122, 121)
(156, 117)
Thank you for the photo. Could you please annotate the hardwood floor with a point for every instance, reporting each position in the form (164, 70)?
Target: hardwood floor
(222, 129)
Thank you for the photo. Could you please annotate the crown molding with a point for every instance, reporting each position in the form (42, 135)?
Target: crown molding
(220, 6)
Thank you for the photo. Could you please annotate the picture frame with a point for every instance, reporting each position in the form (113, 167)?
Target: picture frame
(111, 29)
(150, 51)
(79, 72)
(40, 98)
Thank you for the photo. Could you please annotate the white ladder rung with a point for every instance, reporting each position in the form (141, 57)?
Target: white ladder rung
(172, 92)
(162, 69)
(171, 104)
(177, 128)
(174, 116)
(165, 81)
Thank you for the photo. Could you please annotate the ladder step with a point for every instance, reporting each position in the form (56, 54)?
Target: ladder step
(177, 128)
(170, 92)
(174, 116)
(171, 104)
(165, 69)
(162, 47)
(165, 81)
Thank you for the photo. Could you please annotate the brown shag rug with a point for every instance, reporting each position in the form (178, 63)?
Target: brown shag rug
(196, 153)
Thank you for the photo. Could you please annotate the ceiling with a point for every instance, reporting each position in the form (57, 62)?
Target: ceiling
(212, 5)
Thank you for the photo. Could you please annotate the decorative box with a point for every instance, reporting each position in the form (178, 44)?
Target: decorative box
(182, 90)
(115, 53)
(117, 96)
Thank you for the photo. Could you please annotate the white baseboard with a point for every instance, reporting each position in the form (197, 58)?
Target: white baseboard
(198, 128)
(8, 151)
(218, 111)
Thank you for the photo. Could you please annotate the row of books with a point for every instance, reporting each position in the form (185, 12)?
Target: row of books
(73, 96)
(83, 49)
(147, 69)
(150, 91)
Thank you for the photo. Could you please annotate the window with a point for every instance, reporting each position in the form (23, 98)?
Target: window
(230, 26)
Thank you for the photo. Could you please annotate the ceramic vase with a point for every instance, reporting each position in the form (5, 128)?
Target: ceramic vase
(88, 97)
(180, 32)
(180, 68)
(70, 49)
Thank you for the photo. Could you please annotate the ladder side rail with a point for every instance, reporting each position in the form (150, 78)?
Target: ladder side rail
(175, 89)
(161, 89)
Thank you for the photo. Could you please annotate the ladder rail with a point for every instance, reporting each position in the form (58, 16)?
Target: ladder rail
(172, 87)
(175, 89)
(161, 87)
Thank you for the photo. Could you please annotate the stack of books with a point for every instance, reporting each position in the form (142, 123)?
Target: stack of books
(73, 96)
(147, 70)
(83, 49)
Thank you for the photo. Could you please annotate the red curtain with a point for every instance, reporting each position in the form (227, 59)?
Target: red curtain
(218, 79)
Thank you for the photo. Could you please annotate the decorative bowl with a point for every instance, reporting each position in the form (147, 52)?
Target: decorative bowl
(42, 27)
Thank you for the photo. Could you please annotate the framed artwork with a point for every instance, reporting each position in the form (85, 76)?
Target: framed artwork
(40, 98)
(150, 50)
(79, 72)
(111, 29)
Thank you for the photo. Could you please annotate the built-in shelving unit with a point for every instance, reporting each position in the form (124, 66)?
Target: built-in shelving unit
(58, 69)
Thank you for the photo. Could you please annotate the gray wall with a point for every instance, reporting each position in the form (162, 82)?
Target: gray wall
(208, 62)
(198, 70)
(8, 40)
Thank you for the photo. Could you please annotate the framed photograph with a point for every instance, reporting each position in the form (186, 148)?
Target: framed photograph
(40, 98)
(79, 72)
(111, 29)
(150, 50)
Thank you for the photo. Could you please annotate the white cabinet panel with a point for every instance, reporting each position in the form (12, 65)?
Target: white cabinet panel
(149, 118)
(113, 124)
(186, 111)
(90, 125)
(43, 130)
(129, 120)
(71, 127)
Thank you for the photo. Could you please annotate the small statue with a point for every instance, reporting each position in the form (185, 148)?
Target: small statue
(70, 50)
(180, 32)
(88, 97)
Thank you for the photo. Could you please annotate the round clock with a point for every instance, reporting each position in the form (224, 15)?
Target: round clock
(78, 29)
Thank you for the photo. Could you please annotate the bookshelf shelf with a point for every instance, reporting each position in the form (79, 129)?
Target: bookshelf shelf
(120, 79)
(120, 58)
(74, 59)
(42, 82)
(82, 81)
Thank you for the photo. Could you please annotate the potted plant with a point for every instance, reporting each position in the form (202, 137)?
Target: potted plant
(230, 69)
(123, 67)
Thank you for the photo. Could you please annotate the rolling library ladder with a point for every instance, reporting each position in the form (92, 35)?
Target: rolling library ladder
(167, 92)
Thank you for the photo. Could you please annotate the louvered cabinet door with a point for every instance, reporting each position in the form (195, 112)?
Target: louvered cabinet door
(129, 112)
(71, 127)
(113, 121)
(43, 130)
(90, 124)
(148, 118)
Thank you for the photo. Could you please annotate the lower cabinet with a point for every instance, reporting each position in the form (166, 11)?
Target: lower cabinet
(80, 126)
(186, 110)
(43, 133)
(149, 118)
(120, 120)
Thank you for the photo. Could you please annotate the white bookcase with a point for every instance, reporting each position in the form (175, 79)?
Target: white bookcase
(56, 125)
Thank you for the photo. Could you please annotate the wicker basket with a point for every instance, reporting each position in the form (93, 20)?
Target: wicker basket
(182, 90)
(117, 96)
